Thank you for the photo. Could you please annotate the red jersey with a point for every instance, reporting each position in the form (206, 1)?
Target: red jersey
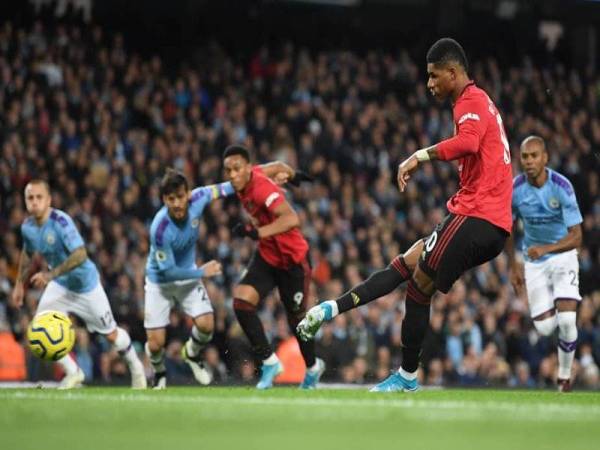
(260, 197)
(483, 155)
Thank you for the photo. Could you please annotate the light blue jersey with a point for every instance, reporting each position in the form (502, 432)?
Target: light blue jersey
(173, 244)
(56, 239)
(547, 212)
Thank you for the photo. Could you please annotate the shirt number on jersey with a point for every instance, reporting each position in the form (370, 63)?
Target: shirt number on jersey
(503, 139)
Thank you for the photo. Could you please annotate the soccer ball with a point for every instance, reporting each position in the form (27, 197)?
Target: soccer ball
(51, 335)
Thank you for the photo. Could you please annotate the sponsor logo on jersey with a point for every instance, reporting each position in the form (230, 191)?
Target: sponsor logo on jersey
(50, 238)
(271, 198)
(467, 116)
(355, 298)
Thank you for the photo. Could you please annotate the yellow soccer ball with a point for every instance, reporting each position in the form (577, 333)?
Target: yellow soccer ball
(51, 335)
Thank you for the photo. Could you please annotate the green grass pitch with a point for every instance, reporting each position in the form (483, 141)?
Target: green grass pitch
(288, 419)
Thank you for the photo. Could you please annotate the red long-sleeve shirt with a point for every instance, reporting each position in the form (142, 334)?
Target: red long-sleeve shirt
(481, 148)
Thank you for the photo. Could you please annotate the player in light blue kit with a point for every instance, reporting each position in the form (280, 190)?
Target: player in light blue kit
(172, 276)
(71, 283)
(545, 202)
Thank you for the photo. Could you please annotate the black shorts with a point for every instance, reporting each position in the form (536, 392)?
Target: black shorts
(458, 244)
(293, 283)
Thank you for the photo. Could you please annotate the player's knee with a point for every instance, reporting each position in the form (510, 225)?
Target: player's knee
(567, 325)
(546, 326)
(155, 343)
(205, 324)
(423, 282)
(240, 305)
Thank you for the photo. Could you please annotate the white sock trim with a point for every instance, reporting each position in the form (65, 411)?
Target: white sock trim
(273, 359)
(68, 364)
(122, 341)
(407, 375)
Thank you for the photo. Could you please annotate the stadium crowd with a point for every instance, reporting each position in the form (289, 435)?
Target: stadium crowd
(101, 123)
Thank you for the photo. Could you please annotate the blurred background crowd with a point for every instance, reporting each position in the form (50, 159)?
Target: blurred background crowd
(101, 122)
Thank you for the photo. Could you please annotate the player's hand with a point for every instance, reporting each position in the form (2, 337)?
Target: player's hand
(300, 176)
(41, 279)
(17, 295)
(536, 252)
(245, 230)
(517, 278)
(281, 178)
(212, 268)
(405, 169)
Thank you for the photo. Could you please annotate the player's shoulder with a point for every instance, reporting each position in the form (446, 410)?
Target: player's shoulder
(60, 218)
(261, 183)
(160, 229)
(28, 225)
(560, 181)
(519, 181)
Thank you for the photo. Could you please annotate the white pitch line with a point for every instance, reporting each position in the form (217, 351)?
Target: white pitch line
(436, 410)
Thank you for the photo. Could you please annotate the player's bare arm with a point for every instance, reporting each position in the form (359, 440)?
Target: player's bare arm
(278, 171)
(42, 278)
(211, 269)
(569, 242)
(22, 275)
(409, 165)
(516, 270)
(286, 220)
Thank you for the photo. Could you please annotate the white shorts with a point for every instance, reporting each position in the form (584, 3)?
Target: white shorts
(556, 277)
(92, 307)
(161, 297)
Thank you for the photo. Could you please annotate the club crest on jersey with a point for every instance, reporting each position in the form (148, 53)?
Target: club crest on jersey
(195, 223)
(161, 256)
(50, 238)
(554, 203)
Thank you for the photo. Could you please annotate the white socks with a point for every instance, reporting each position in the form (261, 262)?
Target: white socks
(273, 359)
(197, 341)
(68, 364)
(407, 375)
(567, 342)
(156, 359)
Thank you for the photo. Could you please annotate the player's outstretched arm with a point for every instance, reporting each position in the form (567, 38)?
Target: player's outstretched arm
(16, 298)
(409, 165)
(77, 257)
(282, 173)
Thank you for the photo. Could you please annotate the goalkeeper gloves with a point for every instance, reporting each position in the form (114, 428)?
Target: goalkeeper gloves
(300, 176)
(242, 230)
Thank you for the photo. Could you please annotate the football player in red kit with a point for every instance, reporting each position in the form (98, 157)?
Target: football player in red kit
(474, 231)
(280, 260)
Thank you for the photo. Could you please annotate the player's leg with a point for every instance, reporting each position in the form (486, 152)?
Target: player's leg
(195, 303)
(565, 280)
(155, 350)
(157, 305)
(56, 298)
(93, 307)
(377, 285)
(254, 285)
(539, 297)
(294, 286)
(458, 244)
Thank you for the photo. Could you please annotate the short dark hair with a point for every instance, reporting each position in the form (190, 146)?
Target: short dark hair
(40, 181)
(233, 150)
(172, 181)
(446, 50)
